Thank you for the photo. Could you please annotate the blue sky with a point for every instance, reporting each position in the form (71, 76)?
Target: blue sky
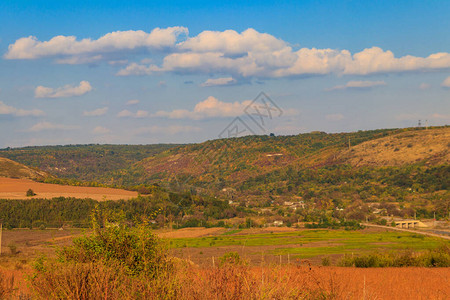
(149, 72)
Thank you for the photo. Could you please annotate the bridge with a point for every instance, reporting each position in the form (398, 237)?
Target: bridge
(409, 224)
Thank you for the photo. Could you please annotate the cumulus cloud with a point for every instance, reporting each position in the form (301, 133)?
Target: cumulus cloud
(208, 108)
(96, 112)
(239, 55)
(334, 117)
(100, 130)
(18, 112)
(357, 85)
(446, 82)
(128, 114)
(246, 54)
(63, 92)
(69, 50)
(218, 81)
(132, 102)
(173, 129)
(47, 126)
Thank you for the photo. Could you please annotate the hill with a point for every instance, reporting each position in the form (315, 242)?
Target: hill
(408, 165)
(12, 169)
(83, 162)
(229, 163)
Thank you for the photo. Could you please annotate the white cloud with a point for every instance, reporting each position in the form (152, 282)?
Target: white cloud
(63, 92)
(283, 61)
(69, 50)
(211, 107)
(219, 81)
(446, 82)
(208, 108)
(173, 129)
(125, 113)
(132, 102)
(246, 54)
(424, 86)
(357, 85)
(47, 126)
(232, 42)
(18, 112)
(100, 130)
(334, 117)
(128, 114)
(96, 112)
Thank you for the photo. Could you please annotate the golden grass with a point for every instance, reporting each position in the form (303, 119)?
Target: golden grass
(16, 189)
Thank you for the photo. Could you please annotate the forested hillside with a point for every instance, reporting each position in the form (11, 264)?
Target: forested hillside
(354, 176)
(83, 162)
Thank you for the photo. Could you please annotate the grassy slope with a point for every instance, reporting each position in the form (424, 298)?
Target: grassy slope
(12, 169)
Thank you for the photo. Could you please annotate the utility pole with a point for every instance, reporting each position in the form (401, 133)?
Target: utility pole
(349, 145)
(1, 231)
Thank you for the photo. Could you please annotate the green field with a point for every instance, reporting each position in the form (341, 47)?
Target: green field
(311, 243)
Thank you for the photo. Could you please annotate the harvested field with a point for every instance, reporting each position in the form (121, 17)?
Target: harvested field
(11, 188)
(191, 232)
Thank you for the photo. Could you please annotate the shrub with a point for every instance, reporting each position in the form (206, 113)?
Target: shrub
(13, 249)
(439, 257)
(326, 261)
(231, 258)
(30, 193)
(136, 250)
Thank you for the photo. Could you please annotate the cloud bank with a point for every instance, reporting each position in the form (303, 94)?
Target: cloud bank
(69, 50)
(240, 55)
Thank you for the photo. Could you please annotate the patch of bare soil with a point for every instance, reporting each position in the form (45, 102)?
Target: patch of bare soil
(17, 188)
(191, 232)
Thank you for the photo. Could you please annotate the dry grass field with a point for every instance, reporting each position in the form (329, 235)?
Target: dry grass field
(272, 282)
(16, 189)
(404, 148)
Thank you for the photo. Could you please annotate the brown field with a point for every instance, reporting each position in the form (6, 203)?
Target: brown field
(16, 189)
(190, 232)
(267, 279)
(271, 282)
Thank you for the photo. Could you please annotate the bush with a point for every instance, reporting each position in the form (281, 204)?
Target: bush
(136, 250)
(439, 257)
(30, 193)
(231, 258)
(13, 249)
(326, 261)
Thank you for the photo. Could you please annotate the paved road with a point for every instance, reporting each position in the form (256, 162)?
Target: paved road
(409, 230)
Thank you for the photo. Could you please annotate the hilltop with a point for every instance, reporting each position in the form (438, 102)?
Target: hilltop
(12, 169)
(219, 164)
